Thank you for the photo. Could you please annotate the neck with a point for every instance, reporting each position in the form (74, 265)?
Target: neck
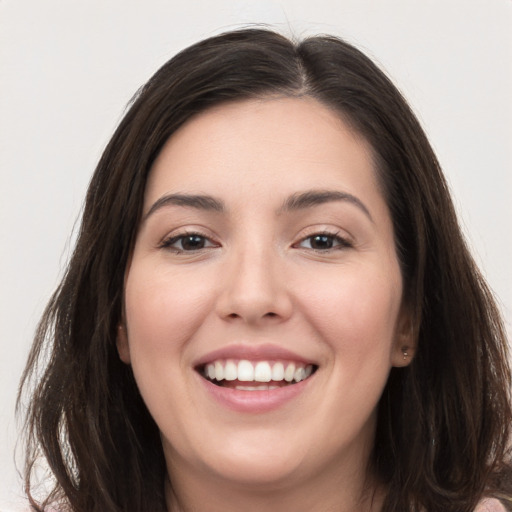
(329, 491)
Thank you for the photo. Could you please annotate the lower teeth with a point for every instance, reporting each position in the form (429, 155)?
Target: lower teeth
(255, 388)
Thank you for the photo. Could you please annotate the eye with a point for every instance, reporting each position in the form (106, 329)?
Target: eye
(324, 242)
(187, 242)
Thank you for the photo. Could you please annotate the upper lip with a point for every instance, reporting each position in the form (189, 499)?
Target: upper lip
(266, 352)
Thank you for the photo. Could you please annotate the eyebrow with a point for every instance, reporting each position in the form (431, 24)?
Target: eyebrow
(310, 198)
(298, 201)
(200, 202)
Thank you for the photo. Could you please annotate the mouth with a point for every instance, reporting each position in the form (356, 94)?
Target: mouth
(247, 375)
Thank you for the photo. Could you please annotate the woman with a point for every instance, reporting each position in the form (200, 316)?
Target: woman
(270, 305)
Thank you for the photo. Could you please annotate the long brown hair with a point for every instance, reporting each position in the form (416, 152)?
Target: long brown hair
(444, 422)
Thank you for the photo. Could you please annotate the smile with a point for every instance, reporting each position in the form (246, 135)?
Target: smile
(252, 378)
(256, 375)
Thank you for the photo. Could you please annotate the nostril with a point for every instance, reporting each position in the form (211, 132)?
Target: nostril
(270, 314)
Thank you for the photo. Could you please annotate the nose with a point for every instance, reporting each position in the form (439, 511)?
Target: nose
(254, 289)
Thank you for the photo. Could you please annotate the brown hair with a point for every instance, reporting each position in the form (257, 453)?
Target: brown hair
(444, 422)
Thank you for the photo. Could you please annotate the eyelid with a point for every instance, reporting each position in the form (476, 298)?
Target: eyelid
(344, 241)
(169, 240)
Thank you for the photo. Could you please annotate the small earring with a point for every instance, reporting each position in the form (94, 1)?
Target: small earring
(404, 350)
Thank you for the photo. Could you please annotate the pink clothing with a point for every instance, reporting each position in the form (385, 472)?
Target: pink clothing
(490, 505)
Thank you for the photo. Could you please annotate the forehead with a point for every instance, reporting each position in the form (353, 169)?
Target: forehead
(276, 144)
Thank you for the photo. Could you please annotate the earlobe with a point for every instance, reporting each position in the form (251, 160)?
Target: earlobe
(403, 356)
(405, 345)
(123, 347)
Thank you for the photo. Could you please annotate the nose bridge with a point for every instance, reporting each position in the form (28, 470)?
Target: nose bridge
(254, 286)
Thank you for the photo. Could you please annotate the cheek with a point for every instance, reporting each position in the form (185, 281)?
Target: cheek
(162, 314)
(356, 312)
(162, 310)
(353, 310)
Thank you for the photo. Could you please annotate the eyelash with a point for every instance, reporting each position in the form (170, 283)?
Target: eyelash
(332, 238)
(169, 242)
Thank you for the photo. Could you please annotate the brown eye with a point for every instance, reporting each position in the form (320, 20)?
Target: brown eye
(192, 242)
(324, 242)
(187, 243)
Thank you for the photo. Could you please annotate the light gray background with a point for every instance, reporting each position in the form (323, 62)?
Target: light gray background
(67, 70)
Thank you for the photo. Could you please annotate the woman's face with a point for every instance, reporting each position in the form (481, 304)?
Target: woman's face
(263, 300)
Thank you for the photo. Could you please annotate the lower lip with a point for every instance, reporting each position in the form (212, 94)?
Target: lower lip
(255, 401)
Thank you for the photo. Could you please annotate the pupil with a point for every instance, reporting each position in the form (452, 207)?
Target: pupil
(321, 242)
(192, 242)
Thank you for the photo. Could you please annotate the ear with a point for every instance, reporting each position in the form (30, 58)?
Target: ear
(404, 346)
(123, 347)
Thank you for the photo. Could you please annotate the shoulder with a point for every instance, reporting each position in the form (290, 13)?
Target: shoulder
(490, 505)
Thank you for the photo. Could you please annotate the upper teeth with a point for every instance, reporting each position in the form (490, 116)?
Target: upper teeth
(261, 371)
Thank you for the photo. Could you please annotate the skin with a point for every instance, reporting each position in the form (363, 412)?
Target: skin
(261, 279)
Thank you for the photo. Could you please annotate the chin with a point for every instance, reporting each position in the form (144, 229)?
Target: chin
(256, 458)
(257, 472)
